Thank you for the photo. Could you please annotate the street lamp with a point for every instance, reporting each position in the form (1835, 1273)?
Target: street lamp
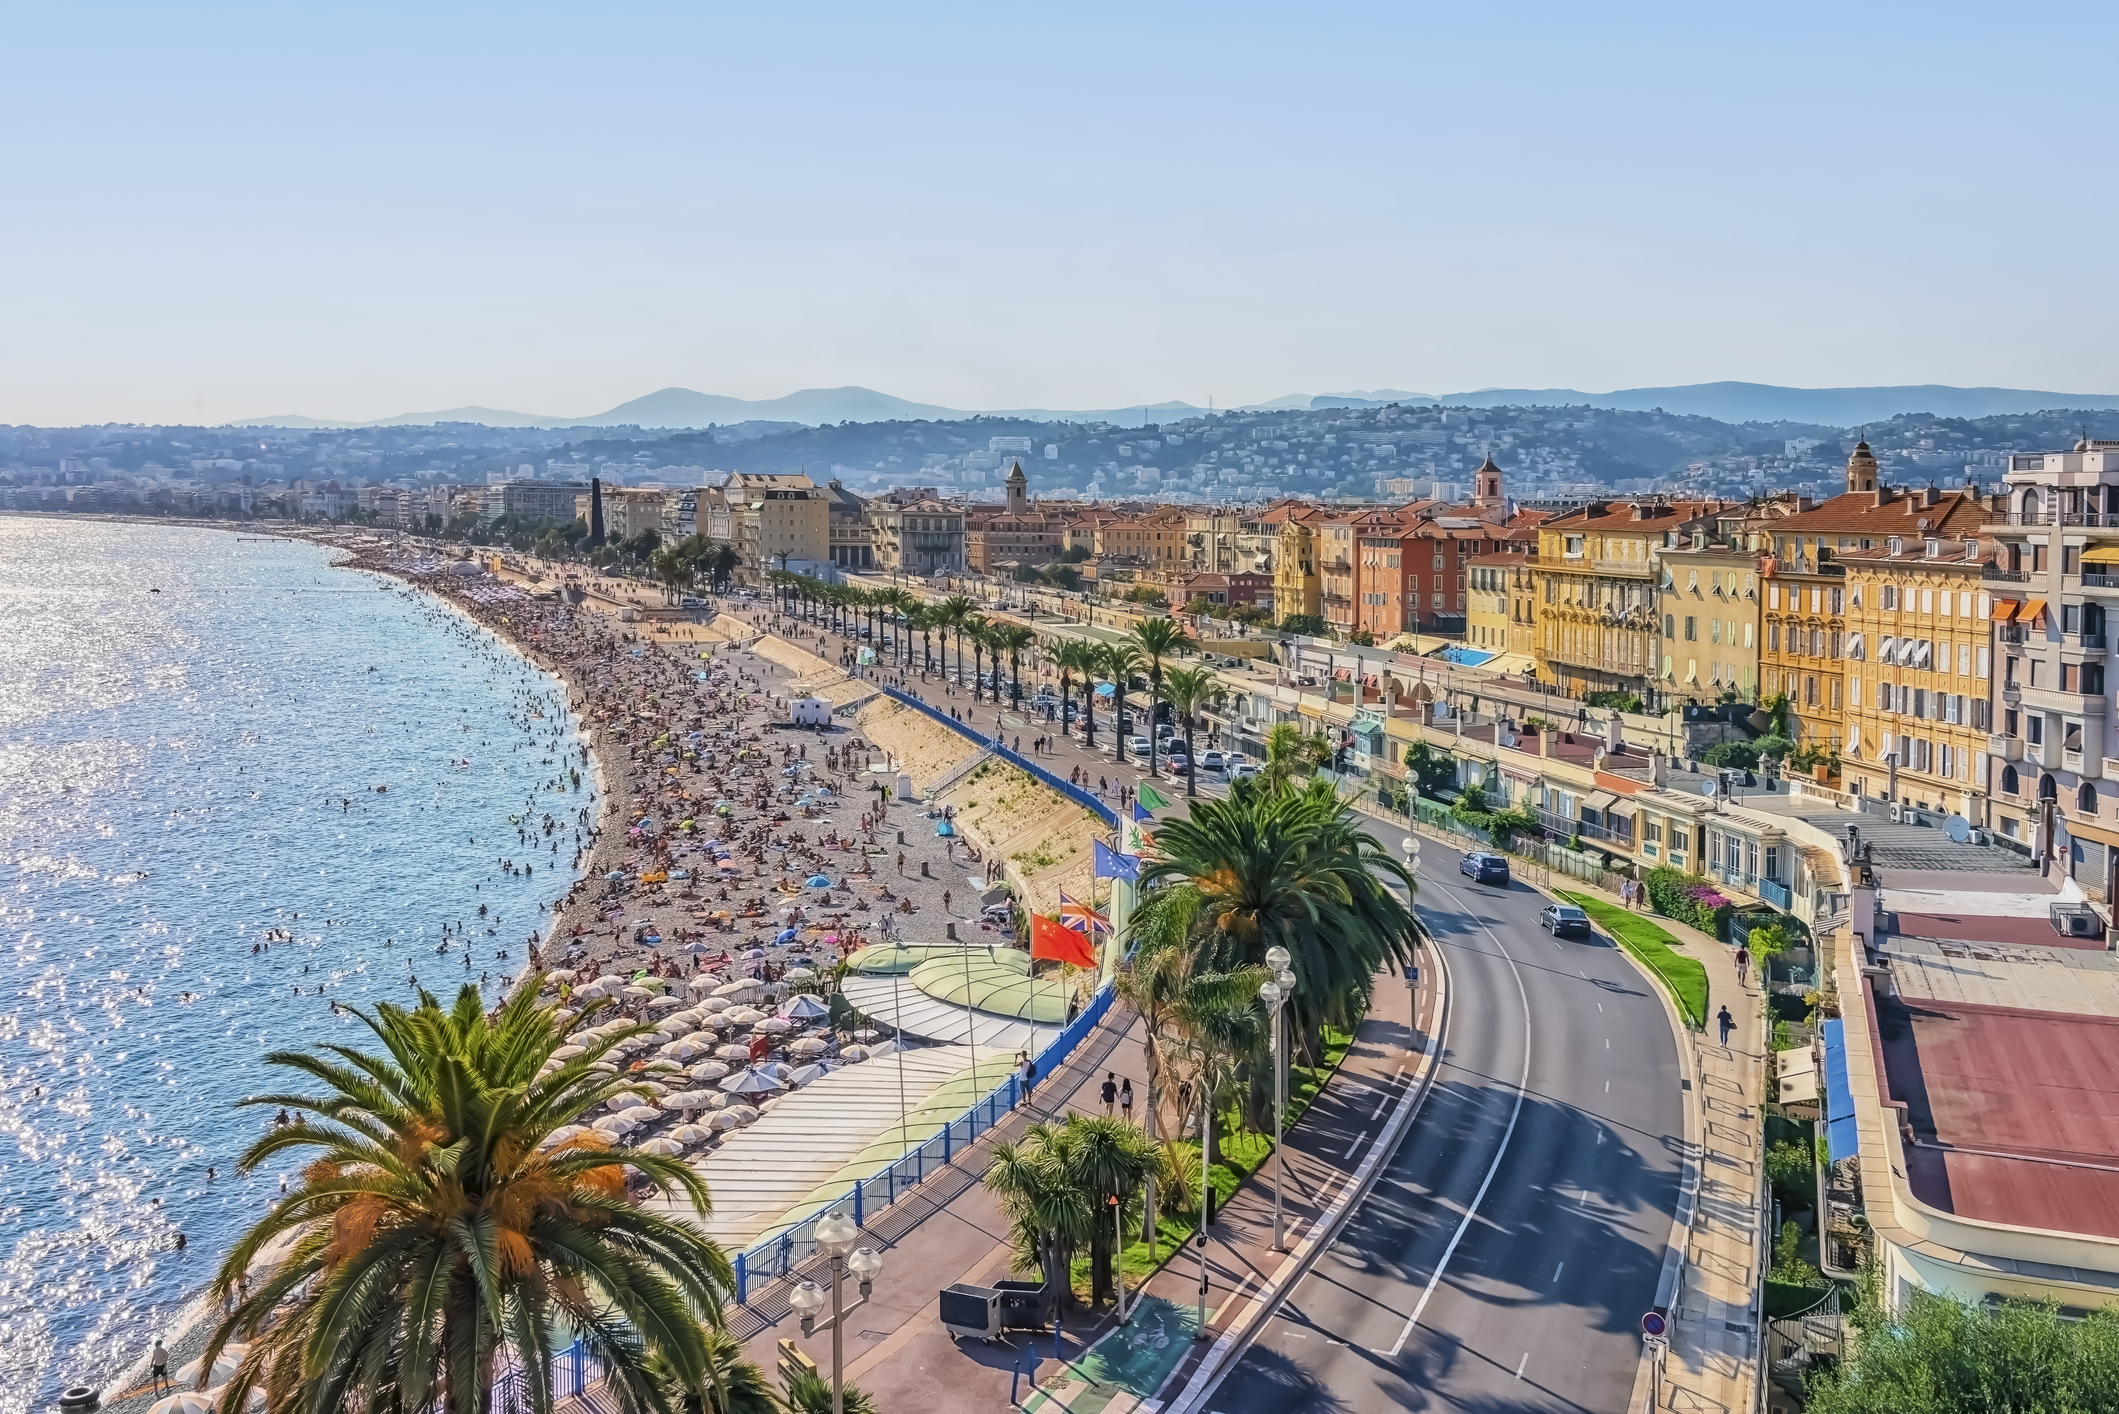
(1275, 994)
(836, 1236)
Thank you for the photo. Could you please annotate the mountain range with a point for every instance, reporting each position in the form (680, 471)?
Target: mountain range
(1725, 402)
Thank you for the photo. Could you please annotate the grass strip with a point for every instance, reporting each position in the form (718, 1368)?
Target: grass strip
(1686, 977)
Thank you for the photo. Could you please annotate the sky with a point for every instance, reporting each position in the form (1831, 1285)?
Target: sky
(217, 211)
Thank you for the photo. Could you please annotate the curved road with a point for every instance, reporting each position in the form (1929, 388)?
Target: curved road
(1504, 1257)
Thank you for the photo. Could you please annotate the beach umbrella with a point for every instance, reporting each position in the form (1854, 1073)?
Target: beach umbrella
(692, 1100)
(189, 1402)
(223, 1368)
(881, 1049)
(804, 1006)
(803, 974)
(584, 1036)
(615, 1124)
(691, 1134)
(751, 1081)
(664, 1003)
(615, 875)
(818, 881)
(567, 1053)
(744, 1016)
(774, 1025)
(732, 1118)
(752, 954)
(737, 987)
(708, 1070)
(660, 1067)
(668, 1148)
(806, 1074)
(786, 935)
(635, 993)
(866, 1033)
(219, 1395)
(805, 1046)
(611, 979)
(641, 1114)
(680, 1050)
(702, 986)
(619, 1104)
(559, 974)
(734, 1053)
(853, 1054)
(566, 1132)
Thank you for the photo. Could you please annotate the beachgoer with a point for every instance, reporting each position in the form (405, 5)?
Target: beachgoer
(1110, 1092)
(158, 1367)
(1125, 1100)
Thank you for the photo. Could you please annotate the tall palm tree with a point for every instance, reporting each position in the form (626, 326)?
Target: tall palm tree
(1012, 639)
(1056, 1186)
(1289, 753)
(1119, 662)
(1158, 639)
(1189, 689)
(922, 620)
(973, 626)
(439, 1228)
(1290, 867)
(1070, 656)
(950, 616)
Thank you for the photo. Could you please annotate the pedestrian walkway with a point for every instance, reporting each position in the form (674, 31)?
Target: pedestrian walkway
(1710, 1288)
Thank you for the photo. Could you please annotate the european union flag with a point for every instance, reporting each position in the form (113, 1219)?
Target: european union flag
(1110, 864)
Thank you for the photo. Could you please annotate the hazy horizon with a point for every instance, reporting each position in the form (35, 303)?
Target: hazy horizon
(238, 213)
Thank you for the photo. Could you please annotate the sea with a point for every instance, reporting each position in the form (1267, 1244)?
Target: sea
(237, 785)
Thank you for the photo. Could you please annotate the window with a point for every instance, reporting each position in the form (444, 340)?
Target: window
(1574, 547)
(1838, 597)
(1887, 597)
(1773, 638)
(2086, 800)
(1927, 600)
(1714, 630)
(1669, 626)
(1835, 694)
(1980, 660)
(1773, 596)
(1747, 635)
(1692, 629)
(1809, 691)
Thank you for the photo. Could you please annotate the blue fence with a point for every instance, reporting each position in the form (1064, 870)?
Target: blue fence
(1074, 793)
(780, 1254)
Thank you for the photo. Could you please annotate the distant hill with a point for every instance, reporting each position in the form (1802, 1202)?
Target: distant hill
(1724, 402)
(1767, 402)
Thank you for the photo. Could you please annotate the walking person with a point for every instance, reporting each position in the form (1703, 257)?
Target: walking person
(1743, 964)
(1029, 1077)
(1110, 1092)
(1125, 1100)
(1727, 1022)
(158, 1367)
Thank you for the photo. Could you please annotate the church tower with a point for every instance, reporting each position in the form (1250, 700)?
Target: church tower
(1861, 469)
(1018, 491)
(1486, 485)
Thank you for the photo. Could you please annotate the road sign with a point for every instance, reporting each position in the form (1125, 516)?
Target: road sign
(1654, 1326)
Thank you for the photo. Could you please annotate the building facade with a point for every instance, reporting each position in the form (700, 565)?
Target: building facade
(1599, 629)
(1709, 604)
(920, 538)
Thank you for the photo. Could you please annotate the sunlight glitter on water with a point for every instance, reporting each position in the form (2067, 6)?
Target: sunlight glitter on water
(181, 771)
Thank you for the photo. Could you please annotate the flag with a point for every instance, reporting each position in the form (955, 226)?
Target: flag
(1081, 917)
(1140, 811)
(1152, 798)
(1110, 864)
(1052, 942)
(1132, 839)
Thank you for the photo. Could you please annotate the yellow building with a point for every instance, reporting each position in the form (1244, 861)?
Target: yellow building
(1297, 588)
(1489, 615)
(1918, 667)
(1596, 571)
(1710, 621)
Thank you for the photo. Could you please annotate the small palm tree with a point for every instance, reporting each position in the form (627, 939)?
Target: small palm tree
(1058, 1188)
(1188, 690)
(1119, 663)
(440, 1227)
(1157, 640)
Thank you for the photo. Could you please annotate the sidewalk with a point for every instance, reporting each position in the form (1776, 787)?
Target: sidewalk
(1712, 1302)
(896, 1350)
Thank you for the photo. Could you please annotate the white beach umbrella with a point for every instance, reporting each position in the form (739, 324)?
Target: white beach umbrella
(734, 1117)
(611, 979)
(565, 1132)
(805, 1046)
(560, 974)
(738, 987)
(681, 1050)
(635, 993)
(701, 986)
(734, 1053)
(641, 1114)
(806, 1074)
(661, 1067)
(616, 1124)
(567, 1053)
(691, 1134)
(752, 1081)
(744, 1016)
(709, 1070)
(882, 1049)
(774, 1025)
(219, 1395)
(804, 1006)
(668, 1148)
(714, 1005)
(223, 1368)
(665, 1003)
(603, 1067)
(866, 1033)
(189, 1402)
(853, 1054)
(586, 1036)
(799, 974)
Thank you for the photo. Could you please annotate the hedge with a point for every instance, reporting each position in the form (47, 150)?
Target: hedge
(1689, 899)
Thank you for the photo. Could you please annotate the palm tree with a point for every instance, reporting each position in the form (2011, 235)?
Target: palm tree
(1158, 639)
(440, 1227)
(1119, 662)
(1012, 639)
(1289, 752)
(1056, 1187)
(1189, 689)
(950, 615)
(733, 1384)
(1070, 656)
(1290, 867)
(973, 626)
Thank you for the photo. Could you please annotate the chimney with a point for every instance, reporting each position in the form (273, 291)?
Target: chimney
(1545, 738)
(1927, 497)
(1614, 733)
(1658, 769)
(1883, 494)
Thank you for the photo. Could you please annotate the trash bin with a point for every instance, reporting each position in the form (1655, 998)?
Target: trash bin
(969, 1310)
(1024, 1305)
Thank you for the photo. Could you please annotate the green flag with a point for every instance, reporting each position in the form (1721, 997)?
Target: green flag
(1152, 798)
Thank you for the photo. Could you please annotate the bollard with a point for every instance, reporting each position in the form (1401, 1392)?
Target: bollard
(857, 1217)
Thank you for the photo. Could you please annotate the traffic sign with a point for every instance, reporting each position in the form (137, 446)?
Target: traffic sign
(1654, 1326)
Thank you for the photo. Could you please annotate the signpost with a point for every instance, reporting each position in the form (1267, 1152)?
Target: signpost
(1655, 1335)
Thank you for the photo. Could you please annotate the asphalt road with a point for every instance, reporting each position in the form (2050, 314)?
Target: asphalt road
(1504, 1257)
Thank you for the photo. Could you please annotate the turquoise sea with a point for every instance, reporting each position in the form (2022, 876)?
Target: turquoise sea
(196, 860)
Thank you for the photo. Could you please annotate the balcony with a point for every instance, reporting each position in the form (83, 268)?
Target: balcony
(2071, 761)
(1775, 893)
(2011, 633)
(2041, 753)
(1994, 573)
(1640, 569)
(2089, 642)
(2011, 693)
(2053, 699)
(2100, 581)
(2008, 748)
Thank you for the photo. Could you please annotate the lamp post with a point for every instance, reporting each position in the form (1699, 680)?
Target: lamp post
(1275, 994)
(836, 1236)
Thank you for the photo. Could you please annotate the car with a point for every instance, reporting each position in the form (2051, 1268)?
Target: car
(1212, 760)
(1138, 745)
(1564, 920)
(691, 601)
(1242, 771)
(1164, 731)
(1483, 868)
(1177, 765)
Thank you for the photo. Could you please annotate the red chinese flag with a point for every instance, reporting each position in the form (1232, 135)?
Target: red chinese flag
(1053, 941)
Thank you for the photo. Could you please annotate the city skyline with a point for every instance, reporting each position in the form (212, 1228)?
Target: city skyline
(244, 214)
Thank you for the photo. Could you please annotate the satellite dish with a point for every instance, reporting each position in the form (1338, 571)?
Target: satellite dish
(1707, 787)
(1509, 739)
(1957, 828)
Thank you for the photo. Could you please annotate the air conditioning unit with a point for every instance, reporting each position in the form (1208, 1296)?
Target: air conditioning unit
(1898, 813)
(2075, 921)
(1978, 837)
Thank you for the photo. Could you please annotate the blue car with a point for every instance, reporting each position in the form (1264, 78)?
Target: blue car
(1484, 868)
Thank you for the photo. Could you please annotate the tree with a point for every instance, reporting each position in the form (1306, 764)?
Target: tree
(1289, 754)
(1939, 1356)
(1189, 689)
(809, 1393)
(1291, 867)
(950, 615)
(978, 628)
(1308, 625)
(439, 1224)
(1119, 663)
(1057, 1188)
(1075, 655)
(1012, 639)
(1158, 639)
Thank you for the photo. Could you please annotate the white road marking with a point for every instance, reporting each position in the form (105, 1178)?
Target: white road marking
(1561, 1268)
(1607, 1043)
(1379, 1106)
(1522, 1084)
(1600, 1006)
(1521, 1363)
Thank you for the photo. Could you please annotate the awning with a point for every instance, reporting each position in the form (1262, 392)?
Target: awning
(1368, 679)
(2004, 610)
(1841, 1141)
(2100, 555)
(1854, 649)
(1622, 809)
(1599, 800)
(1342, 674)
(2032, 610)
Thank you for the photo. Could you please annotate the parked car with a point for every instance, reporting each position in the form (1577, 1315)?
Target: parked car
(1564, 920)
(691, 601)
(1212, 760)
(1177, 765)
(1483, 868)
(1242, 771)
(1138, 745)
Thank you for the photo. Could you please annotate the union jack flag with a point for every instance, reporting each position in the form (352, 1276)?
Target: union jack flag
(1081, 917)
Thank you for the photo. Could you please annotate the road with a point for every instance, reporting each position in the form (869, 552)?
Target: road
(1504, 1257)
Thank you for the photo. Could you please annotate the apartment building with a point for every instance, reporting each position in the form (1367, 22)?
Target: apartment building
(1487, 619)
(542, 500)
(778, 521)
(853, 538)
(1918, 664)
(1298, 587)
(1599, 628)
(921, 538)
(2055, 769)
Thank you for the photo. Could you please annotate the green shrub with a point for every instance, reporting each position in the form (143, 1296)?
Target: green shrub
(1791, 1166)
(1688, 898)
(1742, 754)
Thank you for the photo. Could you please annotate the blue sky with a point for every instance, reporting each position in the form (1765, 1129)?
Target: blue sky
(218, 211)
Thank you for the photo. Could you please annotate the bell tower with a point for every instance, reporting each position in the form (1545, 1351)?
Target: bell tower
(1861, 469)
(1018, 491)
(1486, 484)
